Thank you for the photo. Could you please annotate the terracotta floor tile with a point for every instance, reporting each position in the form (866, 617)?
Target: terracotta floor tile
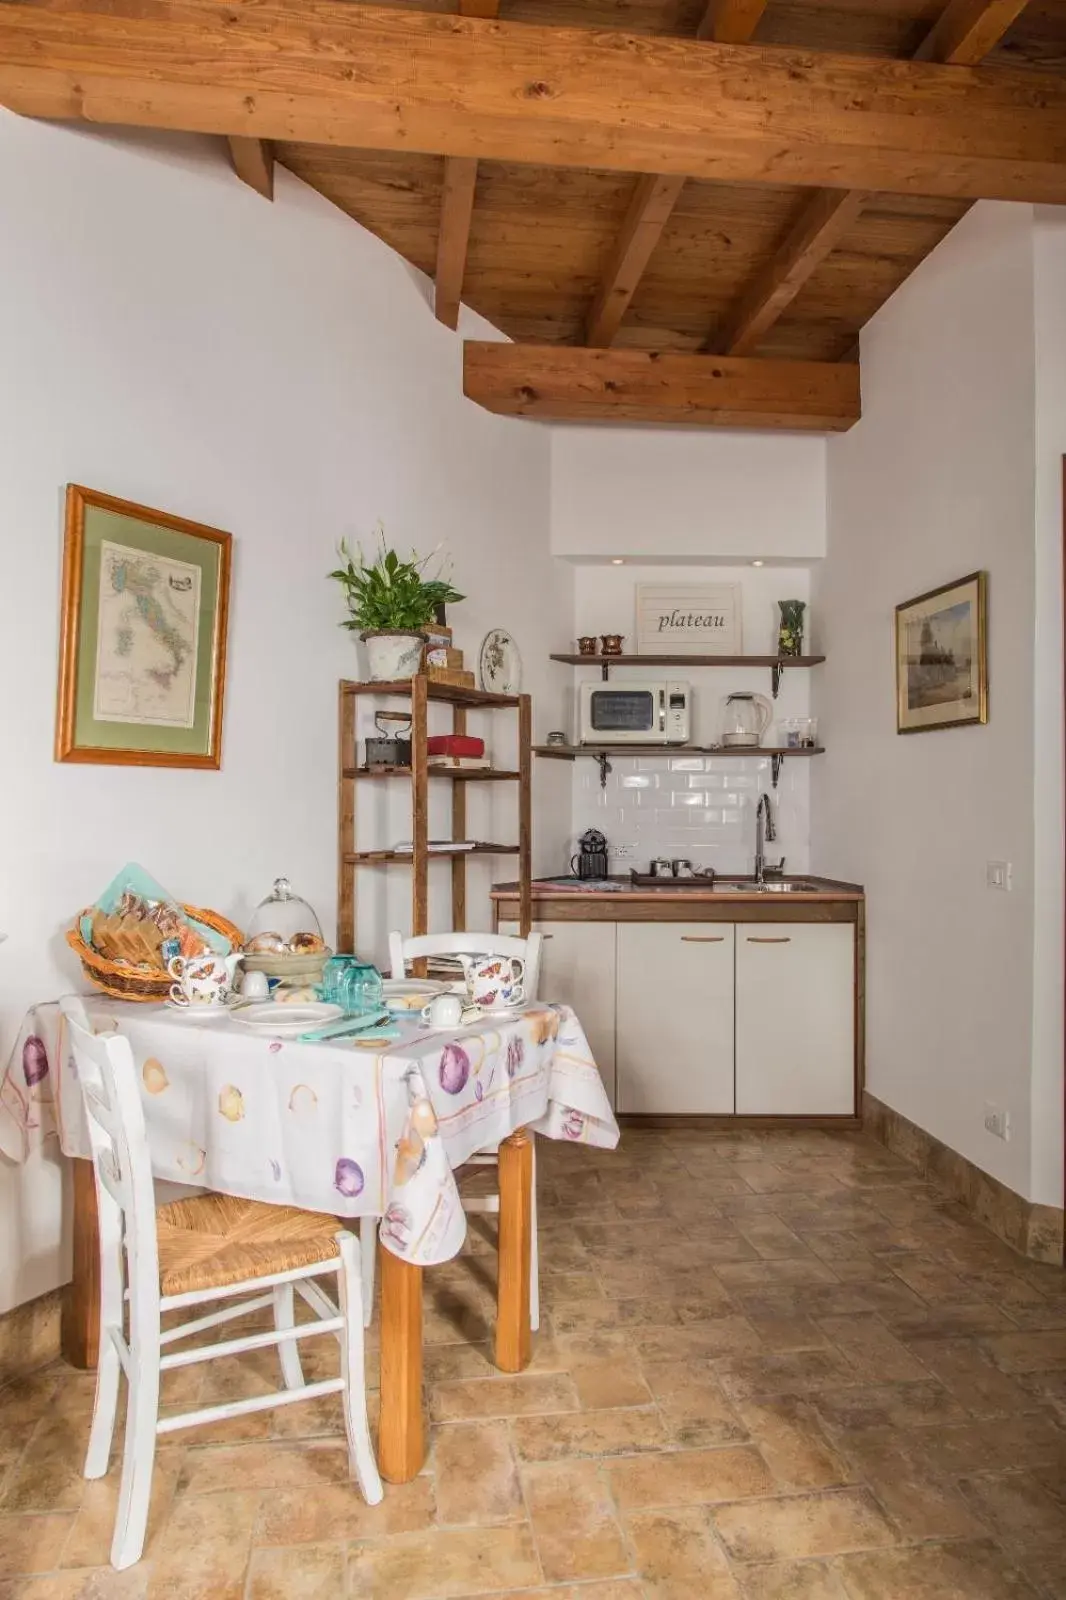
(692, 1405)
(574, 1524)
(962, 1571)
(89, 1543)
(263, 1466)
(89, 1583)
(698, 1341)
(803, 1525)
(770, 1236)
(48, 1473)
(873, 1353)
(690, 1477)
(790, 1269)
(620, 1432)
(678, 1557)
(610, 1381)
(444, 1562)
(791, 1580)
(1027, 1352)
(793, 1444)
(530, 1394)
(475, 1473)
(338, 1511)
(303, 1572)
(893, 1405)
(921, 1504)
(969, 1374)
(203, 1552)
(610, 1589)
(30, 1542)
(1017, 1507)
(794, 1372)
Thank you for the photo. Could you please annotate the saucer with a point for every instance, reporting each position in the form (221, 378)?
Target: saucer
(197, 1013)
(514, 1010)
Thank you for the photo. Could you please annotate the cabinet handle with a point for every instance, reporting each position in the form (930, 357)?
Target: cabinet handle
(783, 939)
(703, 938)
(547, 936)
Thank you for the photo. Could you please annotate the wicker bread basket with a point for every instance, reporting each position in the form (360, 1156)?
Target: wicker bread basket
(126, 982)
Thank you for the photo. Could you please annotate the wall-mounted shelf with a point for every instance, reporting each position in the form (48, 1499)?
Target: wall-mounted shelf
(603, 752)
(457, 774)
(384, 858)
(777, 664)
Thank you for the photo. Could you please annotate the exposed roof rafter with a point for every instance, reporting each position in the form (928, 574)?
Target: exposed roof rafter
(253, 162)
(457, 209)
(656, 194)
(966, 31)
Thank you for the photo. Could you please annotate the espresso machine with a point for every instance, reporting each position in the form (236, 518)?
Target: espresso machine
(591, 858)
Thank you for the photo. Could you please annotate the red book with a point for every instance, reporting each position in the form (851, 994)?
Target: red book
(454, 744)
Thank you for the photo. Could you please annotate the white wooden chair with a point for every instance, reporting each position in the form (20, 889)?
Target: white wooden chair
(423, 947)
(208, 1248)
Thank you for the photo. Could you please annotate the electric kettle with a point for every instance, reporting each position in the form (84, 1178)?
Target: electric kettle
(747, 717)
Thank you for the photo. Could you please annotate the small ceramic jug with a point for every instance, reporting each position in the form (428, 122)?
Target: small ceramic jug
(202, 980)
(495, 982)
(444, 1011)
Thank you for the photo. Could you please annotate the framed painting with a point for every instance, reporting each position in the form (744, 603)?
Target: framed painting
(142, 641)
(702, 619)
(942, 657)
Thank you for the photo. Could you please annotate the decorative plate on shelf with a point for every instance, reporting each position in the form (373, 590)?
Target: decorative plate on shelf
(499, 663)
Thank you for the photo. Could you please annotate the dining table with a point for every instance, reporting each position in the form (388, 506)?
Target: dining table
(376, 1128)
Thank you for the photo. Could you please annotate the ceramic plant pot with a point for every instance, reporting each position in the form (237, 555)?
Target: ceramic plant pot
(394, 653)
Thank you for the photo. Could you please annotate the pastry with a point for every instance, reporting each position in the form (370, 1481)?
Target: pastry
(266, 944)
(306, 944)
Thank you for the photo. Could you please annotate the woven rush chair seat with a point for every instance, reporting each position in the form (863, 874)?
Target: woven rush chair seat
(215, 1239)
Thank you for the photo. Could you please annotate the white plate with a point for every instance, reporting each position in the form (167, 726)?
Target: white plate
(506, 1011)
(499, 663)
(420, 989)
(286, 1021)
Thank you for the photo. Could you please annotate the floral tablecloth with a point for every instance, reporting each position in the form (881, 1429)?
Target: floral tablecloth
(330, 1127)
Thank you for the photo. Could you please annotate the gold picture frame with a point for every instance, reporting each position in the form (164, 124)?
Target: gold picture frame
(142, 639)
(942, 657)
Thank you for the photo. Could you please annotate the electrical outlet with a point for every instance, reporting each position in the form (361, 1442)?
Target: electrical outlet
(621, 852)
(998, 875)
(997, 1122)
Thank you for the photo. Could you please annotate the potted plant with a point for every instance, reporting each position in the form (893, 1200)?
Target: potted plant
(390, 604)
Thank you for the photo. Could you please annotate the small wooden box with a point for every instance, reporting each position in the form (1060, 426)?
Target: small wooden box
(442, 655)
(457, 679)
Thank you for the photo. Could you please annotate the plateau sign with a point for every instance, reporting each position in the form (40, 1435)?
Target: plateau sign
(688, 620)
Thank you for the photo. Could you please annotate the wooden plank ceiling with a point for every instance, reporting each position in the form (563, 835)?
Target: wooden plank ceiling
(647, 262)
(541, 239)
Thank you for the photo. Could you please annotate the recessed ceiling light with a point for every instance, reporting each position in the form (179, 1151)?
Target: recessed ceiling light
(617, 561)
(758, 563)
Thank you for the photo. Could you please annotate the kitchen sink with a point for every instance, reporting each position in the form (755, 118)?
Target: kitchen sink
(771, 886)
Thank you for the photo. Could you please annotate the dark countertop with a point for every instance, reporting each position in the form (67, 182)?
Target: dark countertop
(822, 889)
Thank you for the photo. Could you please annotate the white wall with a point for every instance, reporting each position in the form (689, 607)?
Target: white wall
(936, 481)
(680, 494)
(1049, 249)
(699, 807)
(170, 337)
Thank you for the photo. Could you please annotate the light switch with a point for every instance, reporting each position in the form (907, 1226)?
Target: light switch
(998, 875)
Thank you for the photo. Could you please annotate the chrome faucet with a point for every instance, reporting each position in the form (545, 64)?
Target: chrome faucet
(765, 833)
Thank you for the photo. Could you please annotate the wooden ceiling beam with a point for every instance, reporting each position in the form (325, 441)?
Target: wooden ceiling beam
(457, 209)
(656, 194)
(368, 77)
(253, 162)
(566, 383)
(966, 31)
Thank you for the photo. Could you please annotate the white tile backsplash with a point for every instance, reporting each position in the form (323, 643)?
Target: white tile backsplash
(701, 807)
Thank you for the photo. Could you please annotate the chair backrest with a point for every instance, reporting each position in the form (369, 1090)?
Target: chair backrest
(403, 951)
(122, 1164)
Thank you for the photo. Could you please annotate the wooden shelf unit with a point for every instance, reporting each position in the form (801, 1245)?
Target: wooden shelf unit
(689, 661)
(420, 691)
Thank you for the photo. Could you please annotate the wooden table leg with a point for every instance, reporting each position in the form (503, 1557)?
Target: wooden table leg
(401, 1438)
(80, 1322)
(513, 1340)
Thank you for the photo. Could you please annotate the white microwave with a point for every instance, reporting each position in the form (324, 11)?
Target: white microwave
(636, 711)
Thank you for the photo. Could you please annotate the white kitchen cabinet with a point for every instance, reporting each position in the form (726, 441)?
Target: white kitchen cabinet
(674, 1034)
(795, 1019)
(577, 967)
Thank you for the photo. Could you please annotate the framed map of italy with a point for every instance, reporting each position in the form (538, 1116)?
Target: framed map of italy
(142, 651)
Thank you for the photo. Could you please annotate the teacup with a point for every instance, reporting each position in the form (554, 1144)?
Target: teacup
(495, 982)
(444, 1011)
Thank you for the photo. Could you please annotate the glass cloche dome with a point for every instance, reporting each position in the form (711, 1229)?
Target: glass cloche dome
(284, 924)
